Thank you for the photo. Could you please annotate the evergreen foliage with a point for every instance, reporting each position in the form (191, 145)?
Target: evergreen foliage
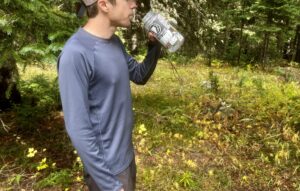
(31, 32)
(35, 30)
(246, 30)
(237, 30)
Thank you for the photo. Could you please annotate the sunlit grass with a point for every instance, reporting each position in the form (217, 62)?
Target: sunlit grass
(48, 71)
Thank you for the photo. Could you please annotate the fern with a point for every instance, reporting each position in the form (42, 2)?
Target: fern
(35, 30)
(55, 47)
(38, 49)
(58, 35)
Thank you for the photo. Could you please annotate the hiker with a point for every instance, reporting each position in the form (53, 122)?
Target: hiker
(94, 72)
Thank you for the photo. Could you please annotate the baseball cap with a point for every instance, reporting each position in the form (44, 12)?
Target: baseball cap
(88, 2)
(84, 3)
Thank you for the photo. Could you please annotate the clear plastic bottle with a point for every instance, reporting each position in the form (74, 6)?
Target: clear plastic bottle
(165, 33)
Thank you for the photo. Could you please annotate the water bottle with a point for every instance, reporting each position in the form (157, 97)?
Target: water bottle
(163, 31)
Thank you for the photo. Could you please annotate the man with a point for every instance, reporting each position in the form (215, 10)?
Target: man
(94, 81)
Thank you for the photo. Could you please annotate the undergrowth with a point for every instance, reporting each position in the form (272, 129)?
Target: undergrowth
(197, 128)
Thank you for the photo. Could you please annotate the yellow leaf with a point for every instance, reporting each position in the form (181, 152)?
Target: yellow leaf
(245, 178)
(142, 129)
(78, 179)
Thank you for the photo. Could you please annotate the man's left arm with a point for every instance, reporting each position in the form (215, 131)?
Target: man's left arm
(140, 73)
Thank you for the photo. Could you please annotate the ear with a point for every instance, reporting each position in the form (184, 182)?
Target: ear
(103, 5)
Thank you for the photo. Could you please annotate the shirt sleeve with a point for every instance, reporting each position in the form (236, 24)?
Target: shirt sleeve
(73, 73)
(140, 73)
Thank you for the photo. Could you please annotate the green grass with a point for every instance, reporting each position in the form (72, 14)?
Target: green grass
(197, 128)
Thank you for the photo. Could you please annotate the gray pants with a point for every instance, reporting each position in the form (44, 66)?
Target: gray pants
(127, 177)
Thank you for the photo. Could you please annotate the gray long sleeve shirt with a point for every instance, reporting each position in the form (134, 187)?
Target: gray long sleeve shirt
(94, 82)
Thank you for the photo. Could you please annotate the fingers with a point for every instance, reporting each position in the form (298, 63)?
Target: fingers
(151, 37)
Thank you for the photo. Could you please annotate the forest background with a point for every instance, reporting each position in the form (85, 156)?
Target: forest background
(222, 113)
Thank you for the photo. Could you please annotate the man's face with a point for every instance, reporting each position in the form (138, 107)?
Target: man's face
(122, 12)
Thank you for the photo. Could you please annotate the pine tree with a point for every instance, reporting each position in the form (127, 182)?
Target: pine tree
(31, 32)
(275, 22)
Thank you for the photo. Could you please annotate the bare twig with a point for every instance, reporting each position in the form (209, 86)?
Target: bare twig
(176, 73)
(2, 168)
(4, 126)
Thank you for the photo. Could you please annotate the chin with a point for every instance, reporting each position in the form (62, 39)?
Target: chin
(125, 25)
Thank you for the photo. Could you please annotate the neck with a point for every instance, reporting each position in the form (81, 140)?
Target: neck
(100, 27)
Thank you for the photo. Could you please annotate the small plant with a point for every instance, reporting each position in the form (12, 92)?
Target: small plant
(61, 178)
(259, 85)
(40, 98)
(214, 82)
(186, 180)
(15, 180)
(42, 164)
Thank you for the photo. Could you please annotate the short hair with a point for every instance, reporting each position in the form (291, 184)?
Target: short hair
(92, 10)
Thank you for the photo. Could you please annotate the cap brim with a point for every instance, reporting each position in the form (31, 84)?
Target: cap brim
(89, 2)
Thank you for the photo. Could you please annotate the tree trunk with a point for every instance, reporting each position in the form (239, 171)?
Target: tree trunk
(265, 47)
(9, 94)
(226, 36)
(209, 50)
(297, 40)
(240, 42)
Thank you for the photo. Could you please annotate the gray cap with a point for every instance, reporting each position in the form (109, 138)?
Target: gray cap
(89, 2)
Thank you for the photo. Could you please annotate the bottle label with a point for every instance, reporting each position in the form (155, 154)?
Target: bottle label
(164, 32)
(161, 31)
